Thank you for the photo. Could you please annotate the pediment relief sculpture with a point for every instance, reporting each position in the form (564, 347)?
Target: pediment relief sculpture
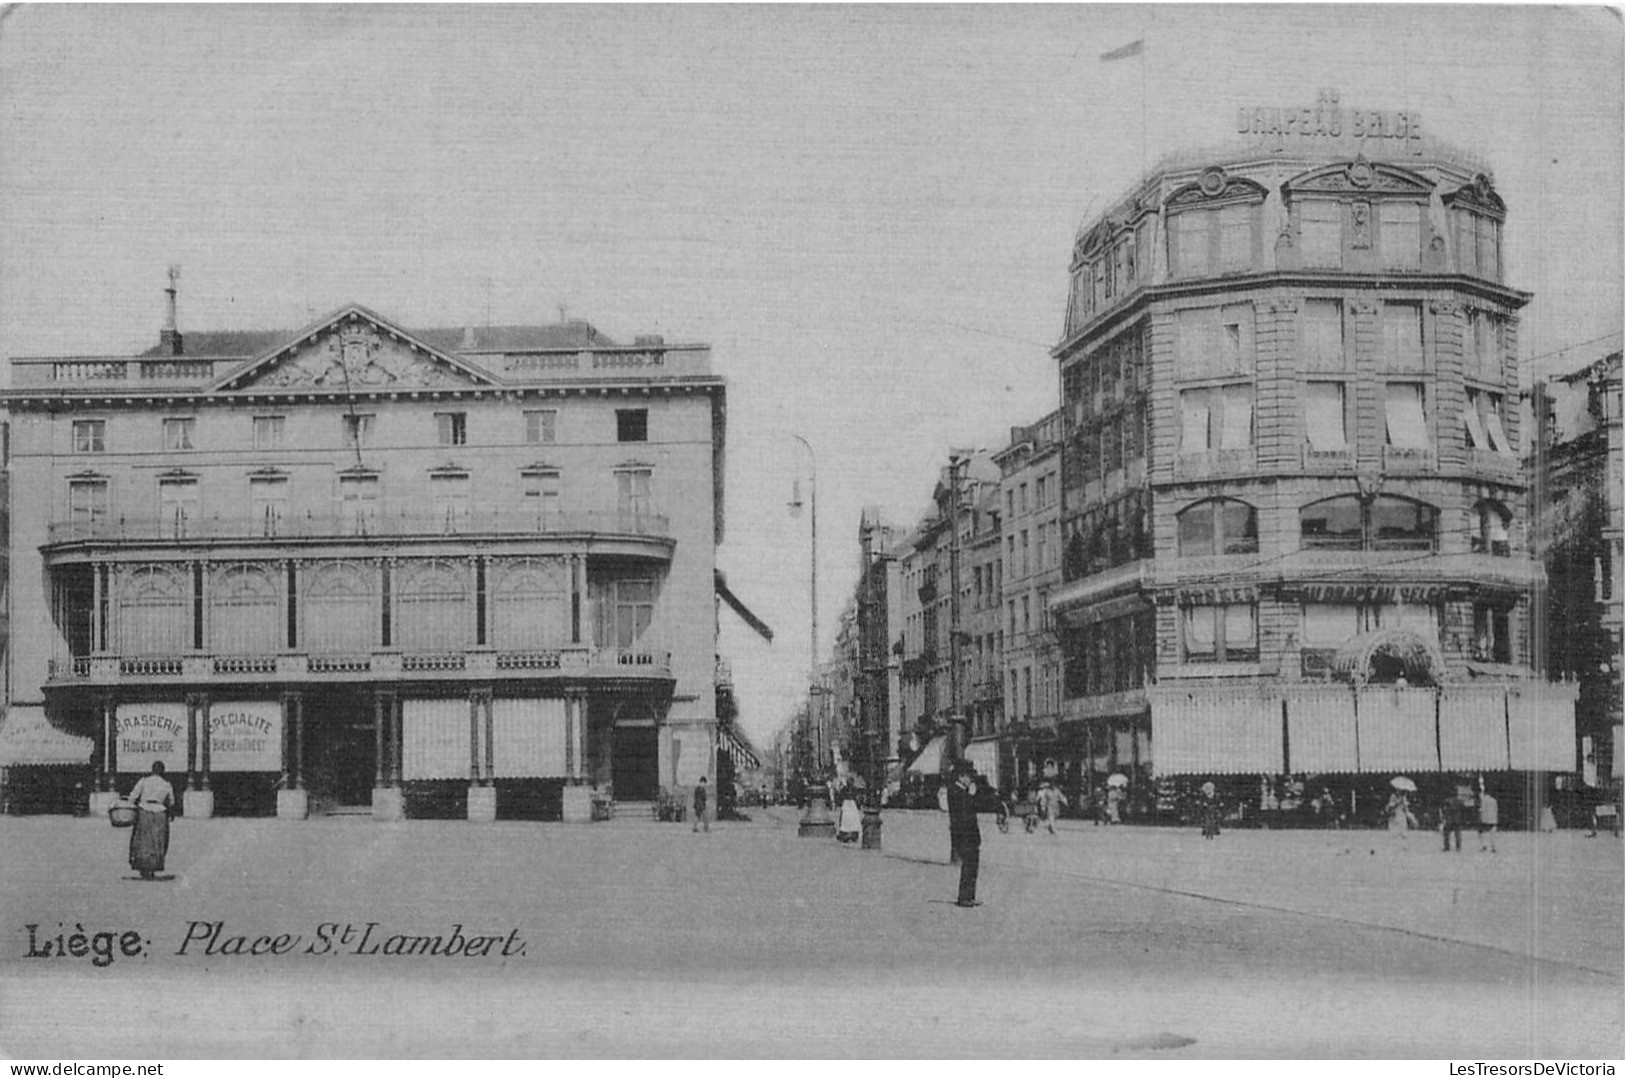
(355, 356)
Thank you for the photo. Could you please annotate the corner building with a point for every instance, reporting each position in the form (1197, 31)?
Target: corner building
(1295, 515)
(363, 568)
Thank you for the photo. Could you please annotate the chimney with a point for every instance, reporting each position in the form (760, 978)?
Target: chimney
(169, 338)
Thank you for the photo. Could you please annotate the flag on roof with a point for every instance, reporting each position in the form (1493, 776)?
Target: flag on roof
(1123, 52)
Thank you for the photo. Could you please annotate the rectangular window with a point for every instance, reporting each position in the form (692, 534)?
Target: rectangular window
(1400, 232)
(1221, 633)
(1323, 416)
(87, 506)
(451, 428)
(179, 433)
(267, 502)
(448, 493)
(632, 498)
(358, 431)
(1473, 414)
(1402, 336)
(541, 498)
(1492, 404)
(1021, 501)
(1195, 422)
(1191, 247)
(1236, 338)
(625, 612)
(177, 507)
(1043, 548)
(1489, 247)
(541, 427)
(90, 435)
(1196, 340)
(1407, 420)
(1237, 431)
(1486, 342)
(1466, 242)
(268, 431)
(631, 424)
(1323, 347)
(1235, 238)
(1320, 233)
(358, 502)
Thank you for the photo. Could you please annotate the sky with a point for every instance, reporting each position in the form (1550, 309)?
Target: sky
(867, 211)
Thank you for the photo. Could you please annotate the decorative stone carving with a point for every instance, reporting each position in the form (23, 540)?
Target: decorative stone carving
(1365, 306)
(1445, 307)
(1211, 181)
(357, 355)
(1360, 173)
(1361, 239)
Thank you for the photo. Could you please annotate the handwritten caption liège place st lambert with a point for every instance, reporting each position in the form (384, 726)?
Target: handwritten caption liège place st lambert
(213, 939)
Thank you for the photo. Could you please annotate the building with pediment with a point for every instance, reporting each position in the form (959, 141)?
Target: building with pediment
(1295, 512)
(358, 567)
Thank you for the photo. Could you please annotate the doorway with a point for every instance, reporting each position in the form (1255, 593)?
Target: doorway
(635, 762)
(341, 752)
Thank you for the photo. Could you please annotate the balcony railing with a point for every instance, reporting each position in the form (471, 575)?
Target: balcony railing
(574, 660)
(385, 522)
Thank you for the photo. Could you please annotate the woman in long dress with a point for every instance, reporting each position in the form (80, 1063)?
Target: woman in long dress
(850, 824)
(153, 798)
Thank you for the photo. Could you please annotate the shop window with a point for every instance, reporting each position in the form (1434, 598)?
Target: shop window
(1320, 233)
(1218, 526)
(89, 435)
(1220, 632)
(1406, 418)
(1400, 231)
(1490, 534)
(1325, 415)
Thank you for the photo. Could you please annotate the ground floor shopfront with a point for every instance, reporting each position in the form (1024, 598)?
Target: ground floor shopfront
(391, 750)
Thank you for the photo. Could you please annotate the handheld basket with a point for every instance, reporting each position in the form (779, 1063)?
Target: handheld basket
(122, 814)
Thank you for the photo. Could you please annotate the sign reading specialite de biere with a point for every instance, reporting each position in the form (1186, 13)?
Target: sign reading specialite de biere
(1327, 125)
(245, 736)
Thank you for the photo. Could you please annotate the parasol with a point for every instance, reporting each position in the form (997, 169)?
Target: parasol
(1118, 779)
(1400, 782)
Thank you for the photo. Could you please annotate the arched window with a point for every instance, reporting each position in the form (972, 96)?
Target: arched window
(1490, 535)
(155, 610)
(341, 607)
(1218, 526)
(246, 616)
(530, 603)
(1332, 524)
(1402, 524)
(434, 610)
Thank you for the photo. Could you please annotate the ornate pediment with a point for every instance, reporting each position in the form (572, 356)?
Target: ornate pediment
(1214, 187)
(1360, 177)
(1479, 195)
(354, 350)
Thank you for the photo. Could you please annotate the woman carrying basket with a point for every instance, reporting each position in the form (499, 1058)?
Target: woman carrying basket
(154, 799)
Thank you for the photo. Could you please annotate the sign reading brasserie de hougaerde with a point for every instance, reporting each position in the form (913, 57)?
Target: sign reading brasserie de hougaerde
(244, 736)
(1327, 125)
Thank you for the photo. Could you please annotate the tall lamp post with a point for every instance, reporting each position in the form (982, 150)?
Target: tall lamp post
(816, 820)
(871, 667)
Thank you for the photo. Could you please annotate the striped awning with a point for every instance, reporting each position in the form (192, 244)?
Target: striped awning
(27, 737)
(1540, 726)
(1202, 731)
(1396, 729)
(929, 761)
(1320, 730)
(984, 755)
(1473, 728)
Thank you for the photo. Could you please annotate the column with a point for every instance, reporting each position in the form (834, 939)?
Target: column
(292, 803)
(397, 720)
(301, 584)
(388, 609)
(482, 796)
(380, 720)
(476, 634)
(106, 793)
(96, 595)
(206, 736)
(488, 704)
(388, 799)
(577, 601)
(197, 802)
(577, 804)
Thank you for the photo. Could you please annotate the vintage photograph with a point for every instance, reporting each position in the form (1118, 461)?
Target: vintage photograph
(812, 532)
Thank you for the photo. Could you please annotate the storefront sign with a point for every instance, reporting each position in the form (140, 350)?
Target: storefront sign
(148, 732)
(1329, 126)
(245, 736)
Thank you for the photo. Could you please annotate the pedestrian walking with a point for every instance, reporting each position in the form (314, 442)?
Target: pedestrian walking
(1450, 818)
(849, 824)
(702, 800)
(964, 832)
(1210, 810)
(1114, 802)
(154, 799)
(1050, 801)
(1489, 816)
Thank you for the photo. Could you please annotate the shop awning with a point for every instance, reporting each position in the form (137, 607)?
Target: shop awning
(1204, 731)
(1397, 729)
(738, 750)
(929, 761)
(1473, 729)
(27, 737)
(1540, 726)
(1320, 730)
(984, 756)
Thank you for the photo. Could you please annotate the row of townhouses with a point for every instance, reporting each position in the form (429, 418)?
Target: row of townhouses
(1288, 529)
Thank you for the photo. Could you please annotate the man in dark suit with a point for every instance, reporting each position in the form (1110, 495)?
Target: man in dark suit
(964, 832)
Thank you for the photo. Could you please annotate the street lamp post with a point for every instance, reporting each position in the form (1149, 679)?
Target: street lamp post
(869, 651)
(816, 820)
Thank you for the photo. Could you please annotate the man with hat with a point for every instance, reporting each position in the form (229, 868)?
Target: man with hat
(964, 832)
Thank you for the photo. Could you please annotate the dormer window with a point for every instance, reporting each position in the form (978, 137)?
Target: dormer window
(1320, 233)
(1400, 235)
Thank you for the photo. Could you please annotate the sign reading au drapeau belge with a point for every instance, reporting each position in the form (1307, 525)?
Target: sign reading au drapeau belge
(1328, 125)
